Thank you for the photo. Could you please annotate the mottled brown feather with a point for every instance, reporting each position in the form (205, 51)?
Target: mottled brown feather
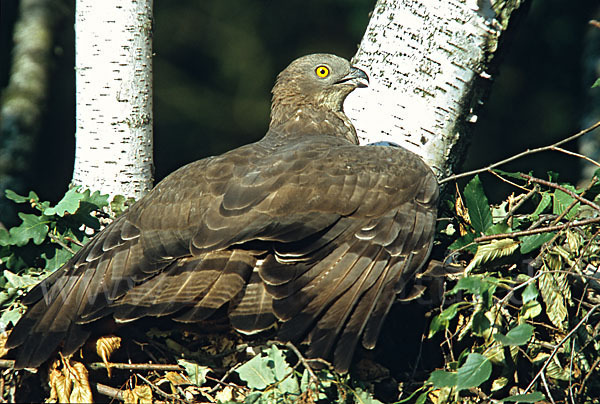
(304, 228)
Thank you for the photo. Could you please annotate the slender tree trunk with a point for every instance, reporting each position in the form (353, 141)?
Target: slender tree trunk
(430, 65)
(24, 98)
(113, 41)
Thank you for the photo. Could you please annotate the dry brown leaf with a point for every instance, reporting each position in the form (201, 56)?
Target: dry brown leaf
(143, 394)
(129, 397)
(105, 346)
(82, 393)
(60, 384)
(176, 378)
(3, 337)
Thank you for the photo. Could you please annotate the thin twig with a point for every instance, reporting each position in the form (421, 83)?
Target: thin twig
(109, 391)
(529, 232)
(160, 392)
(222, 380)
(570, 153)
(60, 243)
(547, 389)
(522, 154)
(584, 320)
(136, 366)
(560, 187)
(587, 376)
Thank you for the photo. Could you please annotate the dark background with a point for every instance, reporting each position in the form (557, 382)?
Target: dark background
(216, 62)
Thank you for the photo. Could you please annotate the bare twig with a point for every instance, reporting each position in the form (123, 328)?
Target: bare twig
(584, 320)
(529, 232)
(522, 154)
(570, 153)
(160, 392)
(563, 189)
(136, 366)
(109, 391)
(60, 243)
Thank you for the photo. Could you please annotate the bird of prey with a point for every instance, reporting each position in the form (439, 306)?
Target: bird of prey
(304, 228)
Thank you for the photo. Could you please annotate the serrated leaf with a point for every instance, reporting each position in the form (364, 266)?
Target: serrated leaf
(535, 241)
(32, 228)
(68, 204)
(525, 398)
(476, 370)
(555, 293)
(196, 373)
(492, 251)
(518, 336)
(257, 373)
(478, 206)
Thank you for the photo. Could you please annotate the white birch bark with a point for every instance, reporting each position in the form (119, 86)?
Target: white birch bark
(113, 41)
(428, 63)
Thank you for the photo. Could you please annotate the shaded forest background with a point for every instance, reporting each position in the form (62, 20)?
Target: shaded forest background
(216, 62)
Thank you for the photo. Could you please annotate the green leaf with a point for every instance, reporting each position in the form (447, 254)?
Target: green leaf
(544, 203)
(442, 320)
(195, 372)
(10, 317)
(68, 204)
(13, 196)
(535, 241)
(519, 335)
(562, 200)
(480, 323)
(464, 241)
(531, 309)
(57, 260)
(364, 397)
(33, 228)
(525, 398)
(529, 293)
(441, 379)
(492, 251)
(476, 370)
(477, 205)
(596, 83)
(257, 373)
(516, 175)
(282, 371)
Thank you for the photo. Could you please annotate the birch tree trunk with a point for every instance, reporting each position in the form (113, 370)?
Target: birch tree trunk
(430, 66)
(113, 58)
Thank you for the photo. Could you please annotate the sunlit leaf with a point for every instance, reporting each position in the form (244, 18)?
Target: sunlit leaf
(555, 293)
(525, 398)
(257, 373)
(519, 335)
(561, 201)
(476, 370)
(81, 393)
(492, 251)
(196, 373)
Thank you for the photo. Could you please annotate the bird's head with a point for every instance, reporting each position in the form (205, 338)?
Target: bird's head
(319, 81)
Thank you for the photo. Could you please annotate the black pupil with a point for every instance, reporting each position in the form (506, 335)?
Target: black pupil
(322, 71)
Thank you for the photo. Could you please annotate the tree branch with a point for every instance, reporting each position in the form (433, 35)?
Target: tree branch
(522, 154)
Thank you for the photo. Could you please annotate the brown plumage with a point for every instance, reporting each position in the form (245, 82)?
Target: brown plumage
(303, 227)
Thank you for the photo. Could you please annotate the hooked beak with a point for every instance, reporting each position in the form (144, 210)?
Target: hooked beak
(356, 77)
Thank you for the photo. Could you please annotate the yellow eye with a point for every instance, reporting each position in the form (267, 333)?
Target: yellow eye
(322, 71)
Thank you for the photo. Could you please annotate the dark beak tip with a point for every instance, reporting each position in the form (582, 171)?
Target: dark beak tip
(360, 77)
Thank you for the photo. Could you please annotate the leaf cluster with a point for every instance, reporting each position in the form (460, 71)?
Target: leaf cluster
(519, 325)
(44, 240)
